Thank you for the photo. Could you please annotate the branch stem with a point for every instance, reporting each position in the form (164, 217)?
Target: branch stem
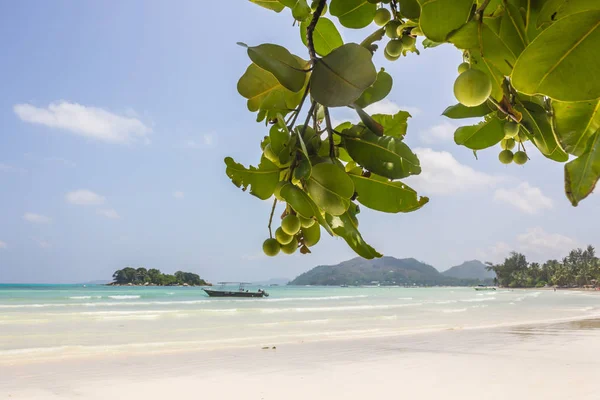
(311, 28)
(271, 218)
(329, 133)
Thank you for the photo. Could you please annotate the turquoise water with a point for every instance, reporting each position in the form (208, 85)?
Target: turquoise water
(48, 321)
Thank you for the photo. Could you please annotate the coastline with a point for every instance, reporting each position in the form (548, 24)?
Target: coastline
(547, 360)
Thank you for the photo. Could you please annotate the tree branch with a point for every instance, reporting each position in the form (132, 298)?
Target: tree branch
(271, 218)
(311, 28)
(329, 133)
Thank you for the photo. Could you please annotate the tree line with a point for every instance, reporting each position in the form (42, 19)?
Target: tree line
(579, 269)
(141, 276)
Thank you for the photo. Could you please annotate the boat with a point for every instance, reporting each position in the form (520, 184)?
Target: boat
(483, 287)
(241, 292)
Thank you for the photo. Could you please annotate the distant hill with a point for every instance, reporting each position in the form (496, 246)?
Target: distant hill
(273, 281)
(385, 271)
(470, 270)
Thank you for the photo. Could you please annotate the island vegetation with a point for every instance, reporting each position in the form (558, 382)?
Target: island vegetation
(581, 268)
(154, 277)
(390, 271)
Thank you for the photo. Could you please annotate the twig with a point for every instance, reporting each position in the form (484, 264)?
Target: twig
(482, 7)
(271, 218)
(311, 28)
(329, 133)
(297, 111)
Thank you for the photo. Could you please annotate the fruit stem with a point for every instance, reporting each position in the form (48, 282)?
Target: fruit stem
(271, 218)
(297, 111)
(481, 8)
(329, 133)
(311, 28)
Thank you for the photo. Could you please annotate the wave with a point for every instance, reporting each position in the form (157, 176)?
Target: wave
(84, 297)
(124, 297)
(405, 298)
(454, 310)
(478, 300)
(340, 308)
(270, 300)
(445, 302)
(104, 304)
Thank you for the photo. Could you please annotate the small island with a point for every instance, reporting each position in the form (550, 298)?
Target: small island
(130, 276)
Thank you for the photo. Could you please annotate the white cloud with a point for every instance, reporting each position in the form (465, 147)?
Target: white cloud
(84, 197)
(389, 107)
(62, 161)
(442, 132)
(538, 242)
(10, 168)
(108, 213)
(537, 245)
(443, 174)
(178, 195)
(36, 218)
(524, 197)
(3, 245)
(91, 122)
(42, 243)
(496, 253)
(206, 140)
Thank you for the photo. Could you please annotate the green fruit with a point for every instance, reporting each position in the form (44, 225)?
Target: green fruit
(521, 137)
(290, 224)
(306, 222)
(311, 235)
(520, 158)
(394, 48)
(511, 129)
(291, 247)
(463, 67)
(391, 29)
(277, 191)
(472, 87)
(507, 144)
(282, 237)
(382, 16)
(389, 57)
(505, 156)
(271, 247)
(408, 42)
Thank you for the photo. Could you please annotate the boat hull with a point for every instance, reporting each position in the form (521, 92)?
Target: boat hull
(226, 293)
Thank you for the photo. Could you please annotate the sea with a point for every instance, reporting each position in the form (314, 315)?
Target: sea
(40, 322)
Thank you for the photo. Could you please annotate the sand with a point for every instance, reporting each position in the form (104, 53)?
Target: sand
(556, 361)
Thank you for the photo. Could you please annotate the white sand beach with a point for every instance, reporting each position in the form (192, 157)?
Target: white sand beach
(545, 361)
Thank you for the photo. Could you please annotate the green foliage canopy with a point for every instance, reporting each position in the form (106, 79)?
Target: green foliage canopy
(539, 57)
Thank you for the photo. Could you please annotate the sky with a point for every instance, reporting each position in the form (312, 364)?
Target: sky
(115, 118)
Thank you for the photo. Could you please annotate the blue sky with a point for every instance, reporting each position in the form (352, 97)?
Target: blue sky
(115, 118)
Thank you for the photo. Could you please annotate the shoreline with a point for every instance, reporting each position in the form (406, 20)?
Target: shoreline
(550, 361)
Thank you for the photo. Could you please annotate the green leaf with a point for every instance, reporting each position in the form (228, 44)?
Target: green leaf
(385, 156)
(345, 227)
(582, 173)
(429, 44)
(393, 125)
(553, 10)
(262, 180)
(325, 36)
(440, 17)
(387, 196)
(303, 205)
(536, 120)
(274, 5)
(354, 14)
(331, 188)
(512, 29)
(369, 122)
(265, 93)
(279, 138)
(300, 9)
(459, 111)
(341, 77)
(575, 123)
(496, 76)
(378, 91)
(281, 63)
(481, 136)
(411, 9)
(562, 62)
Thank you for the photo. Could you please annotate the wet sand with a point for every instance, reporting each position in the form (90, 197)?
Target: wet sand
(544, 361)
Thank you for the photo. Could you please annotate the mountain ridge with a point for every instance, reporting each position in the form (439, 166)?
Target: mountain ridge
(386, 271)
